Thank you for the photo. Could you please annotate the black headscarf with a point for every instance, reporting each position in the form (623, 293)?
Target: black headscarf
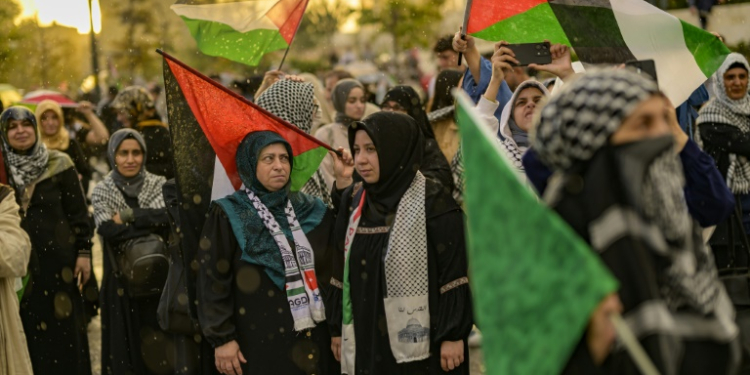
(407, 98)
(400, 151)
(130, 186)
(434, 164)
(446, 81)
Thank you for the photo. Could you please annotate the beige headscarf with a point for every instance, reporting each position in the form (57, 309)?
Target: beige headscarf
(60, 140)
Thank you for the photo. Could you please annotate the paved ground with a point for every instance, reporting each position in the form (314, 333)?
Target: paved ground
(95, 334)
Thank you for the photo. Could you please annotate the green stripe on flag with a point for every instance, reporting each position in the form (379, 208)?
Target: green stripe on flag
(708, 50)
(218, 39)
(305, 165)
(532, 26)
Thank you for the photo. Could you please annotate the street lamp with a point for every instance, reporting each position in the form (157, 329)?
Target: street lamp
(94, 54)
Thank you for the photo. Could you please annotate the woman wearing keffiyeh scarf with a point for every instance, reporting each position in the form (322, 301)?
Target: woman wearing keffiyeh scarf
(618, 183)
(56, 218)
(129, 204)
(265, 269)
(724, 133)
(401, 301)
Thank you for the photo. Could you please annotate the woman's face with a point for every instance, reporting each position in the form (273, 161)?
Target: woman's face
(355, 104)
(523, 109)
(21, 134)
(129, 158)
(735, 83)
(273, 167)
(50, 122)
(651, 119)
(366, 157)
(393, 106)
(124, 117)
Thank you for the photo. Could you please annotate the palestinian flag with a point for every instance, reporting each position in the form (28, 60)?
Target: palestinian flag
(514, 282)
(241, 30)
(607, 32)
(207, 123)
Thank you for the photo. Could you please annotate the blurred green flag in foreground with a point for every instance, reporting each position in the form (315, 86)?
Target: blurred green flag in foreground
(535, 282)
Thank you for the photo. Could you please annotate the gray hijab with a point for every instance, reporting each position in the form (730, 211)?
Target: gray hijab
(130, 186)
(338, 97)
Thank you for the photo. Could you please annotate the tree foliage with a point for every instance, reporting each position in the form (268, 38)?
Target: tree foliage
(412, 22)
(322, 20)
(9, 37)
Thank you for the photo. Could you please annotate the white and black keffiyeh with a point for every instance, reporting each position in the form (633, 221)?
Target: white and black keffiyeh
(108, 200)
(293, 102)
(579, 121)
(406, 299)
(723, 110)
(27, 168)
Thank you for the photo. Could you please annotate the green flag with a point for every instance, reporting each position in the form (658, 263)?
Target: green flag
(535, 282)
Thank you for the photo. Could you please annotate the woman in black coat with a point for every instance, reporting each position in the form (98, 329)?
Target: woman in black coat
(56, 218)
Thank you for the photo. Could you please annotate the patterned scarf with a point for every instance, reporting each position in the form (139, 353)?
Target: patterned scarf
(407, 308)
(301, 286)
(25, 167)
(723, 110)
(580, 119)
(577, 124)
(293, 102)
(108, 199)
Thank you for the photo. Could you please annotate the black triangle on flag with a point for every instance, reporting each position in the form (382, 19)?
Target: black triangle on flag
(194, 170)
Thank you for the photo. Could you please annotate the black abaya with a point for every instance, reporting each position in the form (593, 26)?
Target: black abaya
(132, 342)
(239, 301)
(52, 310)
(450, 311)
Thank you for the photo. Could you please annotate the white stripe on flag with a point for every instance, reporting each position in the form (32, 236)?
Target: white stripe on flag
(222, 186)
(651, 33)
(242, 16)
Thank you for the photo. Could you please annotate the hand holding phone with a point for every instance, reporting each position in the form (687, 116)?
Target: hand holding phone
(532, 53)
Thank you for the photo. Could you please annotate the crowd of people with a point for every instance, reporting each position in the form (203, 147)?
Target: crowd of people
(365, 270)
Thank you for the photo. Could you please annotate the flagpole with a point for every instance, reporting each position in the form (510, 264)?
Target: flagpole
(293, 36)
(467, 12)
(245, 101)
(628, 339)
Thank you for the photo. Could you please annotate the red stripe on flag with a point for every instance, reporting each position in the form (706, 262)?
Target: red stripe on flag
(485, 13)
(286, 15)
(226, 118)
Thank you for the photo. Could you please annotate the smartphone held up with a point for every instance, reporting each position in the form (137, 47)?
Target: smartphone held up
(532, 53)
